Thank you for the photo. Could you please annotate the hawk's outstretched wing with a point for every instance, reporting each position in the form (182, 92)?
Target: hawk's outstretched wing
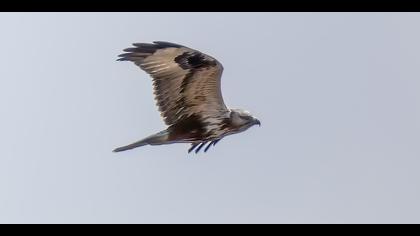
(186, 81)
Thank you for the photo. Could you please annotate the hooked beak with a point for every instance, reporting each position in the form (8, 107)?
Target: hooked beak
(257, 122)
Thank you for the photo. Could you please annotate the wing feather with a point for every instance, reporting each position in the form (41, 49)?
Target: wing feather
(186, 82)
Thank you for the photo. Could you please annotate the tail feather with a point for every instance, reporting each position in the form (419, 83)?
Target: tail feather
(155, 139)
(131, 146)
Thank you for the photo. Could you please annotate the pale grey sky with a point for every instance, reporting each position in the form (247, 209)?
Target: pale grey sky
(337, 95)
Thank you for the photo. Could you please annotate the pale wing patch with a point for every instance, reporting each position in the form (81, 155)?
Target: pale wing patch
(203, 93)
(168, 77)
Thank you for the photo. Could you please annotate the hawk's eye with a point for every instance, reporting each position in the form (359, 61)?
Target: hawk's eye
(246, 117)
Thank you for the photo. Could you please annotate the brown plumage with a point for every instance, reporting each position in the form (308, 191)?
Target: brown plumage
(187, 90)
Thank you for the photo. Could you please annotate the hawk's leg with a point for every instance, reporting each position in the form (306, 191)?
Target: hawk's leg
(194, 145)
(216, 141)
(199, 147)
(210, 144)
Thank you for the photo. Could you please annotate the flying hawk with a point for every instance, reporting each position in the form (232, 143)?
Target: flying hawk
(187, 91)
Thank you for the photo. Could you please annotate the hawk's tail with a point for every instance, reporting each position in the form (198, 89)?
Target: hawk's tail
(155, 139)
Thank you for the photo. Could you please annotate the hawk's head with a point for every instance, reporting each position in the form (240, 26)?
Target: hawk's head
(242, 120)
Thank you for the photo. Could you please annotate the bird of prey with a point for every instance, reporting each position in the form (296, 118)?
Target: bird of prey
(187, 91)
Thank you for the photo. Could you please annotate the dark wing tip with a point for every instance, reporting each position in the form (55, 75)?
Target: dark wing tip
(164, 44)
(126, 57)
(130, 49)
(133, 56)
(143, 50)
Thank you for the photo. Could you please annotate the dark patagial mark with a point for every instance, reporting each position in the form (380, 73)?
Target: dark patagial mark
(193, 60)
